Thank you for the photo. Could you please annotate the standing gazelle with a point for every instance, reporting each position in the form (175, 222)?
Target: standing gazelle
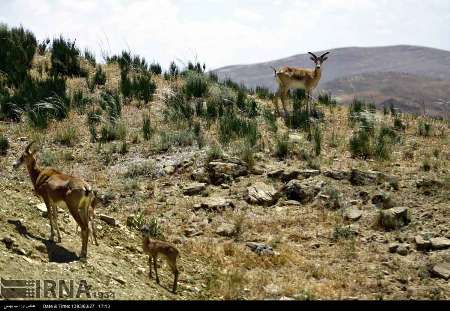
(55, 187)
(153, 248)
(298, 78)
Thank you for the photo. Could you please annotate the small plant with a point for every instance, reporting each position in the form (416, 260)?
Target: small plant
(144, 168)
(155, 68)
(113, 131)
(426, 165)
(271, 120)
(64, 58)
(174, 71)
(4, 145)
(100, 76)
(316, 134)
(196, 85)
(282, 146)
(361, 144)
(80, 101)
(343, 232)
(247, 155)
(147, 128)
(424, 128)
(155, 230)
(214, 153)
(90, 57)
(47, 158)
(199, 135)
(67, 136)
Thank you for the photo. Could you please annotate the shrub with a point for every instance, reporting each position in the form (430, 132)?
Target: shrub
(113, 131)
(174, 71)
(47, 158)
(214, 153)
(67, 136)
(145, 168)
(16, 54)
(51, 108)
(424, 128)
(178, 109)
(4, 145)
(398, 124)
(143, 87)
(316, 133)
(156, 69)
(327, 100)
(111, 103)
(42, 46)
(271, 120)
(90, 57)
(198, 134)
(282, 146)
(80, 101)
(246, 154)
(64, 58)
(99, 77)
(147, 128)
(94, 117)
(361, 144)
(155, 229)
(196, 85)
(263, 92)
(426, 165)
(233, 127)
(182, 138)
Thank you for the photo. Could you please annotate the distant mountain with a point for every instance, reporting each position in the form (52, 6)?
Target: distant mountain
(410, 75)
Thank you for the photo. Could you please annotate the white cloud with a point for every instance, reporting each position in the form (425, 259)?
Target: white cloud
(224, 32)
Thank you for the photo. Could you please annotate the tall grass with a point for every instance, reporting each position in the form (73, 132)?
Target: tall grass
(65, 58)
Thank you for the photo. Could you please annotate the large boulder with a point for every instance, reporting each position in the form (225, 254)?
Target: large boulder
(394, 218)
(260, 248)
(226, 230)
(261, 194)
(302, 191)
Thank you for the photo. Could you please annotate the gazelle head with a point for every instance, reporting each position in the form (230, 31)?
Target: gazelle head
(27, 157)
(145, 230)
(319, 60)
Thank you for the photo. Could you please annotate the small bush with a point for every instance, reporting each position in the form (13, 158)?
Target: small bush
(94, 117)
(263, 92)
(143, 87)
(246, 154)
(327, 100)
(65, 59)
(182, 138)
(198, 134)
(282, 146)
(145, 168)
(196, 85)
(233, 127)
(42, 46)
(67, 136)
(316, 133)
(178, 109)
(426, 165)
(343, 233)
(99, 77)
(47, 158)
(271, 120)
(174, 71)
(156, 69)
(147, 129)
(112, 104)
(80, 101)
(214, 153)
(398, 124)
(113, 131)
(156, 231)
(361, 144)
(51, 108)
(90, 57)
(4, 145)
(424, 129)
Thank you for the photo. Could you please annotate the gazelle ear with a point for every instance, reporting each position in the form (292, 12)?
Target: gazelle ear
(311, 58)
(324, 59)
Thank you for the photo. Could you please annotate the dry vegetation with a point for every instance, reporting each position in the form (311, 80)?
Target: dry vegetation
(317, 253)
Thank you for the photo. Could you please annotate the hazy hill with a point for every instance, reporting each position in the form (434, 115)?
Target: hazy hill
(415, 71)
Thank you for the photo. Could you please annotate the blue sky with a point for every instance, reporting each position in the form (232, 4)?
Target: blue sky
(226, 32)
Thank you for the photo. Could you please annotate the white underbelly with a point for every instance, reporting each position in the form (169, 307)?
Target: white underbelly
(297, 85)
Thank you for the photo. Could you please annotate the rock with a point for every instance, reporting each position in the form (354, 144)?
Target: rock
(9, 242)
(119, 280)
(220, 172)
(337, 175)
(260, 248)
(383, 200)
(215, 204)
(109, 220)
(276, 174)
(261, 194)
(393, 247)
(352, 213)
(140, 270)
(292, 202)
(169, 169)
(403, 249)
(394, 218)
(42, 208)
(331, 198)
(298, 174)
(192, 232)
(296, 138)
(361, 178)
(200, 175)
(440, 243)
(429, 186)
(364, 195)
(442, 270)
(257, 170)
(194, 188)
(21, 251)
(421, 243)
(226, 230)
(303, 192)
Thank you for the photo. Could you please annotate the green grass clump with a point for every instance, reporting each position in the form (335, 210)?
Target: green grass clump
(147, 129)
(233, 127)
(67, 136)
(65, 58)
(113, 131)
(282, 146)
(145, 168)
(424, 128)
(100, 76)
(196, 85)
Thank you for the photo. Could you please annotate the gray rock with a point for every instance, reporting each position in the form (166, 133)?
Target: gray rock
(169, 169)
(331, 198)
(9, 242)
(119, 280)
(260, 248)
(440, 243)
(393, 247)
(394, 218)
(192, 232)
(352, 213)
(226, 230)
(200, 175)
(261, 194)
(429, 186)
(403, 249)
(442, 270)
(362, 178)
(302, 191)
(384, 200)
(421, 243)
(109, 220)
(194, 188)
(299, 174)
(215, 204)
(337, 175)
(220, 172)
(275, 174)
(257, 170)
(42, 208)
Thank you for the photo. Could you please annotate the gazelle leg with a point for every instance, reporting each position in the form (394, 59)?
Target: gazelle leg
(284, 94)
(173, 267)
(150, 267)
(155, 259)
(50, 218)
(84, 242)
(275, 101)
(55, 219)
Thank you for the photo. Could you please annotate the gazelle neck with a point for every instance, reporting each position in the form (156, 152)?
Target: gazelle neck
(318, 72)
(34, 171)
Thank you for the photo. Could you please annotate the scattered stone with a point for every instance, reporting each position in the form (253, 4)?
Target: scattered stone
(260, 248)
(9, 242)
(361, 178)
(225, 186)
(194, 188)
(276, 174)
(119, 280)
(421, 243)
(169, 169)
(403, 249)
(337, 175)
(303, 192)
(42, 208)
(298, 174)
(394, 218)
(292, 202)
(393, 247)
(140, 270)
(192, 232)
(200, 175)
(352, 213)
(442, 270)
(261, 194)
(364, 195)
(429, 186)
(226, 230)
(383, 200)
(440, 243)
(21, 251)
(109, 220)
(331, 198)
(257, 170)
(215, 204)
(220, 172)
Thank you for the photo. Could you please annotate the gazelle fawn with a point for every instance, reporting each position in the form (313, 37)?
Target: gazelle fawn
(55, 187)
(153, 248)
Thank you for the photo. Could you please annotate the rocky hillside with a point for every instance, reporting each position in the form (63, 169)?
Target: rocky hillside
(351, 204)
(419, 74)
